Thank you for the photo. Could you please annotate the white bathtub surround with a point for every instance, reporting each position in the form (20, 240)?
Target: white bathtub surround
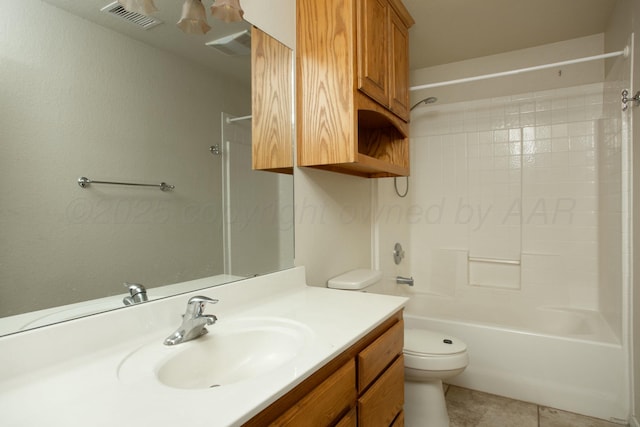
(512, 179)
(66, 374)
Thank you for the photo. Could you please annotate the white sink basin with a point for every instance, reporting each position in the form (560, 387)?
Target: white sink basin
(233, 351)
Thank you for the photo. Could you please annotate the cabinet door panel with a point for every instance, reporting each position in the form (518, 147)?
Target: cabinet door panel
(373, 49)
(272, 93)
(399, 79)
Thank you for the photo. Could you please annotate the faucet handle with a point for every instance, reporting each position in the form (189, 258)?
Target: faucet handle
(134, 288)
(196, 305)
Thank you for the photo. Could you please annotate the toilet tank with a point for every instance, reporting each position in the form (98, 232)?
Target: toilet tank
(355, 280)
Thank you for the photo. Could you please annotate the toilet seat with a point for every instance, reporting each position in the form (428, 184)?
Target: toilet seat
(433, 351)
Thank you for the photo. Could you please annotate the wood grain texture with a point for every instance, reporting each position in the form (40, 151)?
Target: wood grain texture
(326, 404)
(349, 420)
(381, 404)
(377, 356)
(399, 421)
(325, 49)
(329, 70)
(272, 108)
(399, 67)
(373, 49)
(402, 13)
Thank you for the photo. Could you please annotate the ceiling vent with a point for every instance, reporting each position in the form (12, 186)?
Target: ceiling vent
(143, 21)
(234, 44)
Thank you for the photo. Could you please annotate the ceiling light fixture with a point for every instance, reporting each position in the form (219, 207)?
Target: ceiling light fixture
(144, 7)
(227, 10)
(194, 16)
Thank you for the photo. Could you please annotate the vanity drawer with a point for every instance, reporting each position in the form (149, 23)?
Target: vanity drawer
(324, 404)
(382, 403)
(399, 421)
(379, 354)
(349, 420)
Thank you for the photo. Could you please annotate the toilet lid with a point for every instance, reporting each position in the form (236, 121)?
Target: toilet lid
(421, 341)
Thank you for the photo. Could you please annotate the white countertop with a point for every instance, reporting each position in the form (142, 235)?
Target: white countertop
(67, 374)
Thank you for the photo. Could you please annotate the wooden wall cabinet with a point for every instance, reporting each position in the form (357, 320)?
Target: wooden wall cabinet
(363, 387)
(352, 77)
(272, 103)
(383, 53)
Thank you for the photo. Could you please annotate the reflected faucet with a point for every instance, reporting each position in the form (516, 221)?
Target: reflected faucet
(138, 294)
(194, 321)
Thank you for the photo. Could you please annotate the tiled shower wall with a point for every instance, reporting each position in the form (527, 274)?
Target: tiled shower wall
(612, 173)
(513, 180)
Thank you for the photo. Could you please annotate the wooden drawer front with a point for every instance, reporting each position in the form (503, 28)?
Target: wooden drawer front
(326, 403)
(384, 400)
(377, 356)
(399, 421)
(349, 420)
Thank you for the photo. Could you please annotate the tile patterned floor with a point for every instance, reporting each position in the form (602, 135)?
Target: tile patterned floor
(470, 408)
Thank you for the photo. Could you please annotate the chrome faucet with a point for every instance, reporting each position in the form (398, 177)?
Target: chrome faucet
(194, 321)
(138, 294)
(404, 280)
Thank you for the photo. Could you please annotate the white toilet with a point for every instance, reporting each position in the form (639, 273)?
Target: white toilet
(429, 358)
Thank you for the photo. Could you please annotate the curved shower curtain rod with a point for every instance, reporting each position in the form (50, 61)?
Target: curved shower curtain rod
(624, 52)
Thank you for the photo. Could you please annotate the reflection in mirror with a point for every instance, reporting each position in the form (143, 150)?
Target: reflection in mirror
(113, 102)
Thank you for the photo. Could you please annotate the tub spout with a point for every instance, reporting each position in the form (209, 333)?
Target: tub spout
(404, 280)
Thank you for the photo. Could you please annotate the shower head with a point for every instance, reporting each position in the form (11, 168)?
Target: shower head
(429, 100)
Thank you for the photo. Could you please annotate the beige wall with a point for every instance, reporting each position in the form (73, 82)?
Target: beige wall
(275, 17)
(333, 226)
(76, 100)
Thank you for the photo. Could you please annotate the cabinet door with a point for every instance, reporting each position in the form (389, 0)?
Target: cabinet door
(272, 103)
(373, 49)
(399, 57)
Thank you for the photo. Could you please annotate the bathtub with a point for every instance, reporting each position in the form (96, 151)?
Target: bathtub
(563, 358)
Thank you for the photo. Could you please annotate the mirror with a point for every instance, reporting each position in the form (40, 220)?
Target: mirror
(86, 94)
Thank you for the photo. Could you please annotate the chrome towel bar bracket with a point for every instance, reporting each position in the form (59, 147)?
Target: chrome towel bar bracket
(84, 182)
